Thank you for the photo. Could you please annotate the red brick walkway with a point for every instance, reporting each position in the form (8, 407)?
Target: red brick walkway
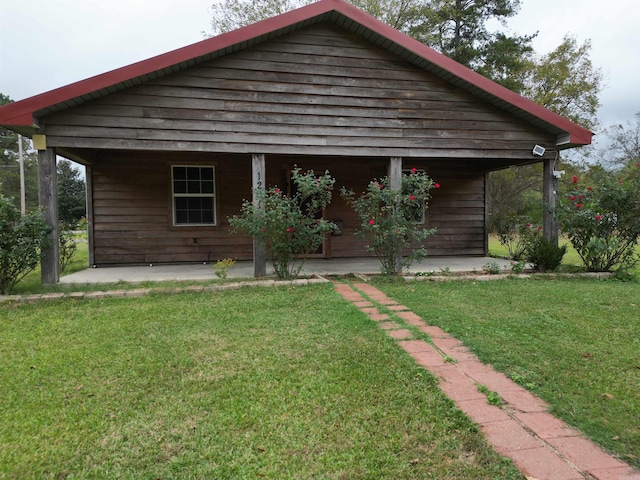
(540, 445)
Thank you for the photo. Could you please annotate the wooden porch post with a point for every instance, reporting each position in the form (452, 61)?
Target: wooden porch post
(48, 199)
(549, 198)
(89, 194)
(395, 183)
(258, 182)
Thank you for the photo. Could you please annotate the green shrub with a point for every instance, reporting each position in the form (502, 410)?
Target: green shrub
(516, 235)
(492, 268)
(291, 225)
(22, 238)
(393, 220)
(67, 244)
(544, 254)
(602, 220)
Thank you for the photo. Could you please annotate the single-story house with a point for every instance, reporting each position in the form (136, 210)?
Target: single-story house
(173, 144)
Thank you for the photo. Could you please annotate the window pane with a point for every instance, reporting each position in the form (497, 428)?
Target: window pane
(179, 186)
(193, 187)
(207, 187)
(181, 216)
(207, 203)
(195, 216)
(181, 203)
(193, 173)
(206, 173)
(179, 173)
(207, 216)
(194, 203)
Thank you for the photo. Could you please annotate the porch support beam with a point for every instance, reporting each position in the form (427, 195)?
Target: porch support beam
(549, 198)
(258, 175)
(395, 183)
(48, 199)
(89, 199)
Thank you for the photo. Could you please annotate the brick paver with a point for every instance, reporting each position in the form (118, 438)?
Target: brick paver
(389, 325)
(400, 334)
(540, 445)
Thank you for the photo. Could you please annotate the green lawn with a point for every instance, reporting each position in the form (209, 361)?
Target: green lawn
(252, 383)
(575, 343)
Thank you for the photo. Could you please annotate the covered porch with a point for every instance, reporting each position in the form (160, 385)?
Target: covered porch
(244, 269)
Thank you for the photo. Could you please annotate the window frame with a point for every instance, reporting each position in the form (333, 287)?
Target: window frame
(213, 196)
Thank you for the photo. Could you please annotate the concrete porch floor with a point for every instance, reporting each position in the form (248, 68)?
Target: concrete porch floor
(244, 269)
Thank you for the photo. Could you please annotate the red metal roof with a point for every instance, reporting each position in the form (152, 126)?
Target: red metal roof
(22, 115)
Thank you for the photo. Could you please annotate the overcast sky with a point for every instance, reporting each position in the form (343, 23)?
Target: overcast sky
(46, 44)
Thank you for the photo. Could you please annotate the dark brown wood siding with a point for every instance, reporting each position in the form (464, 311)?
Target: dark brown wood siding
(319, 91)
(132, 213)
(132, 216)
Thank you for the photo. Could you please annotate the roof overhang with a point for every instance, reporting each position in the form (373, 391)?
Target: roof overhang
(22, 116)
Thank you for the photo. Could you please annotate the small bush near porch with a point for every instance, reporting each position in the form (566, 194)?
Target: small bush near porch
(575, 343)
(245, 384)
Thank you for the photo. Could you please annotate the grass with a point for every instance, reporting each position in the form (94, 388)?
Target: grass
(575, 343)
(237, 384)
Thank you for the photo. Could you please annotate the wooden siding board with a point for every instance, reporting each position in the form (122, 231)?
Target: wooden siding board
(317, 80)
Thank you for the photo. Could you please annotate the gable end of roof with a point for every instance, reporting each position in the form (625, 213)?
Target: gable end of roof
(22, 115)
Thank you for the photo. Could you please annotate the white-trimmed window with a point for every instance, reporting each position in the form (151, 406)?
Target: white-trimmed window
(194, 195)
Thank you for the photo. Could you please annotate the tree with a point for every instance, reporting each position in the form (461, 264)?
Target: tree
(624, 149)
(231, 14)
(566, 82)
(228, 15)
(400, 14)
(458, 29)
(71, 193)
(514, 198)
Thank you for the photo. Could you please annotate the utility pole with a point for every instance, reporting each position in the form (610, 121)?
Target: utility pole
(23, 206)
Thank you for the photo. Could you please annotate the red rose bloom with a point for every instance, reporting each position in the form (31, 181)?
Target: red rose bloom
(290, 230)
(372, 222)
(572, 198)
(575, 179)
(414, 170)
(412, 197)
(578, 205)
(437, 185)
(598, 217)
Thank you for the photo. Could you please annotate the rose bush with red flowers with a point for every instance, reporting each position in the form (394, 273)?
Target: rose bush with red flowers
(290, 225)
(393, 220)
(602, 218)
